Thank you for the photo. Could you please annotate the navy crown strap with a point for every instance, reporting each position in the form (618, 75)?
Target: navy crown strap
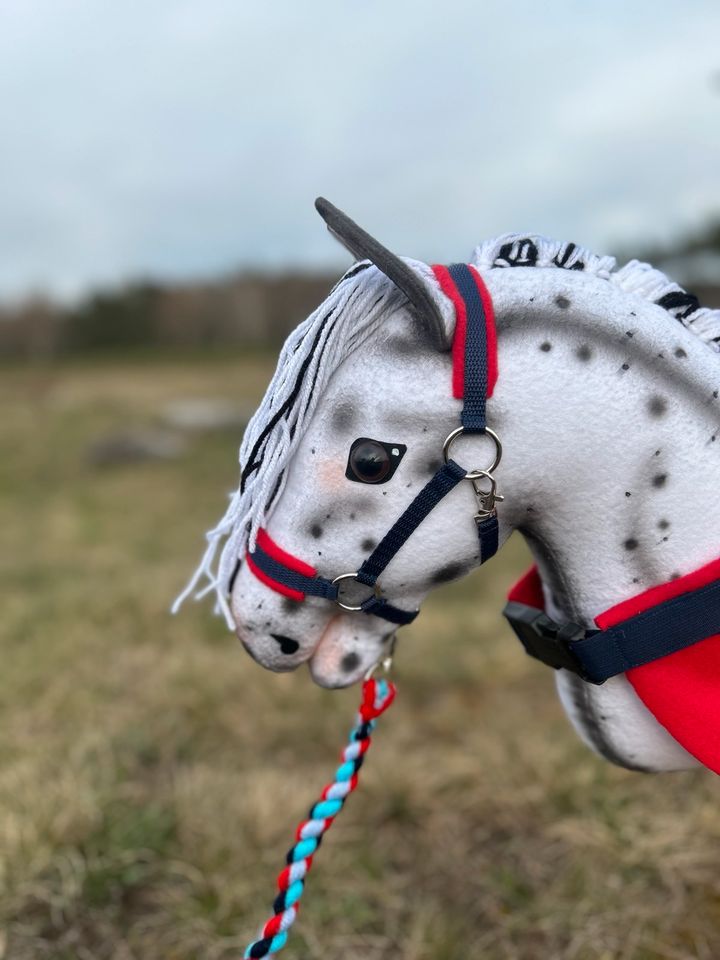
(473, 416)
(597, 655)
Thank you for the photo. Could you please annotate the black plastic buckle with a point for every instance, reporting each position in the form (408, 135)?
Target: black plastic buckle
(545, 639)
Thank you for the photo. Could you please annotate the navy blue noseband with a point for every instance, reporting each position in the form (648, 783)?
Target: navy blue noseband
(474, 377)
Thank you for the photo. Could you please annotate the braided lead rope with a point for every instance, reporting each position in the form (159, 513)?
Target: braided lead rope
(377, 697)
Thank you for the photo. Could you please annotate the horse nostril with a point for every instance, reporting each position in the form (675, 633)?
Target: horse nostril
(287, 644)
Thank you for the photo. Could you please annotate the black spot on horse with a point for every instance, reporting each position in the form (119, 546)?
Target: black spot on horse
(546, 346)
(368, 543)
(290, 606)
(663, 524)
(584, 352)
(625, 366)
(451, 572)
(433, 466)
(657, 406)
(316, 531)
(680, 353)
(562, 302)
(288, 646)
(631, 544)
(343, 416)
(350, 662)
(659, 480)
(405, 347)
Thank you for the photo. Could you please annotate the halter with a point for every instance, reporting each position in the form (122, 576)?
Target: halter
(475, 372)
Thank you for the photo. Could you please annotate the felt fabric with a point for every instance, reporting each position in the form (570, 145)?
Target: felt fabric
(607, 407)
(682, 690)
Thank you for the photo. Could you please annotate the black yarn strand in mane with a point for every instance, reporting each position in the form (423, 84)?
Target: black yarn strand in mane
(253, 463)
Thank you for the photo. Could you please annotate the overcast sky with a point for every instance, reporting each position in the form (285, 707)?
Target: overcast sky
(182, 139)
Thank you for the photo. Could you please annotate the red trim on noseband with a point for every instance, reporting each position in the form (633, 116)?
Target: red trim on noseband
(458, 348)
(266, 543)
(273, 584)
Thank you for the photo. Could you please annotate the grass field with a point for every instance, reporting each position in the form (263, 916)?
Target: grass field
(145, 761)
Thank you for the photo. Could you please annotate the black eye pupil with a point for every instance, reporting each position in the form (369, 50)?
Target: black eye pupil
(370, 461)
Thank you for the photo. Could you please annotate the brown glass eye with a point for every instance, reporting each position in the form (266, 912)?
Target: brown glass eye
(371, 461)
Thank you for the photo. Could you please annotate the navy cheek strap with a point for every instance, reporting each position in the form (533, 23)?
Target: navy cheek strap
(474, 377)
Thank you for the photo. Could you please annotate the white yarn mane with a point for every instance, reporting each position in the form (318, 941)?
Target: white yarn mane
(355, 308)
(641, 279)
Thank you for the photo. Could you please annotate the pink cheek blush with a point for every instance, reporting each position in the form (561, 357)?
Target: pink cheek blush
(331, 475)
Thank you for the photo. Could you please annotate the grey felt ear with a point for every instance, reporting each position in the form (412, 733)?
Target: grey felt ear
(365, 247)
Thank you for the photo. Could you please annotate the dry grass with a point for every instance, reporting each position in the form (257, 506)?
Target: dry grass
(145, 761)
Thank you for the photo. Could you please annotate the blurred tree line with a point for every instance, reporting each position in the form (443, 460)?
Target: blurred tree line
(252, 310)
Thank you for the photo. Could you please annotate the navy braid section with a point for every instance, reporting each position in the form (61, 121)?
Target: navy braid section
(445, 480)
(473, 416)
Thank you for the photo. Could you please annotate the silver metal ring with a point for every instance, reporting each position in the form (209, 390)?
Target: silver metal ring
(475, 474)
(352, 576)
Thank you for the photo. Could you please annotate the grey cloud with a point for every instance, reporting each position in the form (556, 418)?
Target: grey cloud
(178, 138)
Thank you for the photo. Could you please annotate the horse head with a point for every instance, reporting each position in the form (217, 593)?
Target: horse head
(607, 410)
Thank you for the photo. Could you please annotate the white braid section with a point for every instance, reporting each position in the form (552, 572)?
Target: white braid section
(288, 917)
(298, 870)
(646, 281)
(354, 309)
